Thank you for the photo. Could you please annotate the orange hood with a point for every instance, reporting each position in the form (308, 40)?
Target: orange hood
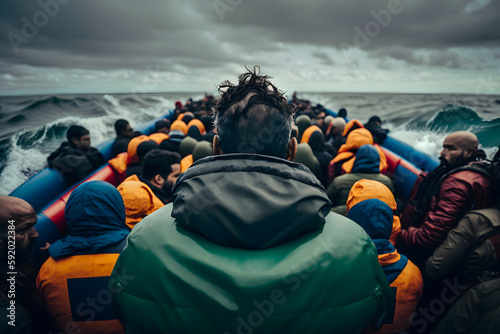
(139, 200)
(186, 162)
(308, 132)
(351, 126)
(132, 147)
(179, 125)
(367, 189)
(198, 124)
(355, 140)
(158, 137)
(119, 163)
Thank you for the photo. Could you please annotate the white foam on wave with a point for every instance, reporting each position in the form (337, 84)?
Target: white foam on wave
(490, 151)
(111, 99)
(137, 115)
(21, 164)
(100, 127)
(429, 142)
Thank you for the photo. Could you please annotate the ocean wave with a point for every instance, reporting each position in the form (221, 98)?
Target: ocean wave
(16, 119)
(38, 124)
(19, 167)
(454, 117)
(52, 101)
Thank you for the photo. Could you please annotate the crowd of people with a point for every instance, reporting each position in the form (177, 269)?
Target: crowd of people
(249, 213)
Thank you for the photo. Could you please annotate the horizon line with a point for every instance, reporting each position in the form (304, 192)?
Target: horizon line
(205, 92)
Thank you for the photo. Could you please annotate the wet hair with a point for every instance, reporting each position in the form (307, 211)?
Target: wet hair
(120, 126)
(136, 134)
(342, 113)
(194, 132)
(162, 124)
(208, 122)
(187, 118)
(159, 162)
(374, 119)
(76, 131)
(145, 147)
(262, 125)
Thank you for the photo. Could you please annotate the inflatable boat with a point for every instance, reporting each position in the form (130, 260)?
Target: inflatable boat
(48, 192)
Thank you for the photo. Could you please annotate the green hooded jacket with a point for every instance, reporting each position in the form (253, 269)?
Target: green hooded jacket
(240, 256)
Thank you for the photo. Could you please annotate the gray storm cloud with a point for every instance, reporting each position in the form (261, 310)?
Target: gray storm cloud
(196, 38)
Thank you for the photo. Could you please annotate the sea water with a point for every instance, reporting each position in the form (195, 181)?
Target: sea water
(31, 127)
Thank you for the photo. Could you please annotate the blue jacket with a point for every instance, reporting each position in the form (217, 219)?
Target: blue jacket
(95, 215)
(78, 270)
(367, 160)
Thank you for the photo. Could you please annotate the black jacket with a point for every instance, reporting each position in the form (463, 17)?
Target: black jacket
(379, 134)
(75, 165)
(120, 145)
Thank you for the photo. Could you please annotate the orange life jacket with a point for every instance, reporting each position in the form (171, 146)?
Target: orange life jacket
(368, 189)
(347, 152)
(186, 162)
(408, 287)
(308, 132)
(158, 137)
(198, 124)
(132, 147)
(77, 292)
(351, 126)
(179, 125)
(139, 200)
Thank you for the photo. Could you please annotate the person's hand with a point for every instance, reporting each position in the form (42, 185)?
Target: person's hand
(46, 247)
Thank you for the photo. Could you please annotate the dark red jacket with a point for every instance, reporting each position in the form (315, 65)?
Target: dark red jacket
(459, 193)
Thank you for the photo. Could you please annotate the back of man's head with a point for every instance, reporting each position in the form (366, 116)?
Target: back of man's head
(159, 162)
(465, 140)
(253, 116)
(163, 125)
(146, 147)
(76, 131)
(120, 126)
(208, 122)
(338, 126)
(374, 120)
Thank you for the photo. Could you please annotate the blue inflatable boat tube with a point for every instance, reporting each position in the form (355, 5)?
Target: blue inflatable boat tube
(48, 192)
(44, 187)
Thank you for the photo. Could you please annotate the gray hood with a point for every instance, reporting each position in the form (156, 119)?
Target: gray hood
(249, 201)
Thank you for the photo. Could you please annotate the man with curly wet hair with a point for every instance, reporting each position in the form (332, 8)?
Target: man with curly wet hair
(249, 241)
(254, 117)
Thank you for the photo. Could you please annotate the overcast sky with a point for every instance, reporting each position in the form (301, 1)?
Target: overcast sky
(95, 46)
